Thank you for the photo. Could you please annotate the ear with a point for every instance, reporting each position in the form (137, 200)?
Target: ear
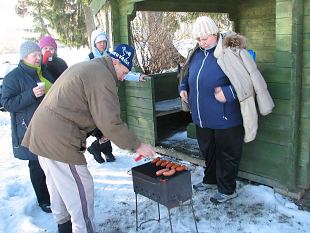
(114, 61)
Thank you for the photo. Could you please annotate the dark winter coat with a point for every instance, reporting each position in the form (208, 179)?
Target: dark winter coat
(57, 66)
(18, 99)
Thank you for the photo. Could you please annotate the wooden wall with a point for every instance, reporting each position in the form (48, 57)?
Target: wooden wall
(304, 152)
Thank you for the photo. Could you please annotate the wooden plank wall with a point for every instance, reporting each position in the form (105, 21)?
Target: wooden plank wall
(267, 156)
(140, 109)
(304, 163)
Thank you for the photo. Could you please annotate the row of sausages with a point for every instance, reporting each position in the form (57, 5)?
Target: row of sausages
(169, 169)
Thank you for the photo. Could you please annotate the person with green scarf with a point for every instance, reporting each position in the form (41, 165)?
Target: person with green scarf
(22, 91)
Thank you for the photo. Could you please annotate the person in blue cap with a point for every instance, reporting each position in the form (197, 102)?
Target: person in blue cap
(99, 48)
(83, 98)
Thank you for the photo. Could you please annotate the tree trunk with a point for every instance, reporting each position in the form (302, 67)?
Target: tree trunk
(89, 22)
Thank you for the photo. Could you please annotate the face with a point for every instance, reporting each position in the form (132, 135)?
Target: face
(120, 69)
(101, 45)
(48, 48)
(33, 58)
(207, 41)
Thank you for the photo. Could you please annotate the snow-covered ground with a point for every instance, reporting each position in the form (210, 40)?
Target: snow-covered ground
(257, 209)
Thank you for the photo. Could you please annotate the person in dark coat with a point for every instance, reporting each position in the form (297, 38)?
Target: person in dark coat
(21, 95)
(55, 65)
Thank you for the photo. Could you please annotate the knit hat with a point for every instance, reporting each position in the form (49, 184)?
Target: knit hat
(47, 40)
(100, 37)
(124, 53)
(204, 26)
(28, 47)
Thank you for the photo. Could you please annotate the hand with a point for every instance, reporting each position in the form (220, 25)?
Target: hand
(219, 95)
(142, 77)
(184, 96)
(38, 91)
(146, 150)
(47, 57)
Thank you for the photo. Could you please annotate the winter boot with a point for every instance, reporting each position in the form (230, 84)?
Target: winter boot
(65, 227)
(110, 157)
(106, 149)
(95, 150)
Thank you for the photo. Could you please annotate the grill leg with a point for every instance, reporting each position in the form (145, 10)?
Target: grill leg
(170, 220)
(136, 211)
(193, 211)
(158, 211)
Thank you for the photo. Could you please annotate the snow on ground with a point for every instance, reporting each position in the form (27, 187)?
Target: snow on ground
(257, 209)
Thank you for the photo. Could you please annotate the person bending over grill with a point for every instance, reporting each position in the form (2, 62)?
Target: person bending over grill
(99, 47)
(83, 98)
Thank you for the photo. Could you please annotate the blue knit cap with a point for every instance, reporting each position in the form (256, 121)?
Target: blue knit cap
(124, 53)
(28, 47)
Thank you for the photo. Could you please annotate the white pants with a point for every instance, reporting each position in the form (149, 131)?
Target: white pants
(71, 189)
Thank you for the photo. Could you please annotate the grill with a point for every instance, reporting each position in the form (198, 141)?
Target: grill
(169, 191)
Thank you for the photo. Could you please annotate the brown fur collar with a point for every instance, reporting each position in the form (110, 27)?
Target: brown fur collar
(234, 40)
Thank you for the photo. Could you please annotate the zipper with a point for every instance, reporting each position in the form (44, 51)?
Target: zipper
(24, 124)
(197, 89)
(224, 112)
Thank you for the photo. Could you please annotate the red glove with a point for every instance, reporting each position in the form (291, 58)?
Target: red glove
(47, 57)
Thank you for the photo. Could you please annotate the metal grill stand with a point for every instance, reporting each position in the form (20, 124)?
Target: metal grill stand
(169, 191)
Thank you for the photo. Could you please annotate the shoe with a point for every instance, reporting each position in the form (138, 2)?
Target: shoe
(65, 227)
(220, 197)
(94, 149)
(110, 157)
(46, 207)
(203, 186)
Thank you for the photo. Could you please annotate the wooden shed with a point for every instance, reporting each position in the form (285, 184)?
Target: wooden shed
(279, 32)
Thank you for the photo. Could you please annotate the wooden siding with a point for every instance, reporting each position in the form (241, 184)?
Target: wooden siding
(140, 109)
(304, 149)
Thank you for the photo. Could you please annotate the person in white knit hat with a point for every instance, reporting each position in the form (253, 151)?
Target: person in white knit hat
(220, 83)
(215, 111)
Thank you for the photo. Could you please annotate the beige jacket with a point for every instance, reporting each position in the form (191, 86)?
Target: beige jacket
(83, 98)
(249, 84)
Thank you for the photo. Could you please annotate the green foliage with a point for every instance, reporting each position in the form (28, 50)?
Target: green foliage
(65, 17)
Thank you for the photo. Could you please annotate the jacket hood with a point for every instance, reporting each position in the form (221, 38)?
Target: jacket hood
(93, 37)
(231, 40)
(234, 40)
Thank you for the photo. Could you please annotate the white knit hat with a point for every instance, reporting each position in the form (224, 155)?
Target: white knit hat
(204, 26)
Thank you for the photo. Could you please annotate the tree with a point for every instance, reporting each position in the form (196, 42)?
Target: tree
(152, 36)
(72, 20)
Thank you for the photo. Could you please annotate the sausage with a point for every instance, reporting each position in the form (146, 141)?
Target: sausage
(169, 172)
(181, 168)
(175, 166)
(160, 162)
(160, 172)
(163, 164)
(169, 165)
(155, 160)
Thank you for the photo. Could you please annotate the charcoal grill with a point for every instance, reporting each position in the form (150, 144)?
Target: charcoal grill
(170, 191)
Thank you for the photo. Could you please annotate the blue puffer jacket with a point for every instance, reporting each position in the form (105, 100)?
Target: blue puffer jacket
(19, 99)
(204, 74)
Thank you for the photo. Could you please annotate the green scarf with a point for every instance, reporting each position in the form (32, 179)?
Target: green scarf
(48, 84)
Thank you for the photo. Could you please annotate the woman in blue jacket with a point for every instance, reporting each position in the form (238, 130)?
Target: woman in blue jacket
(21, 95)
(215, 111)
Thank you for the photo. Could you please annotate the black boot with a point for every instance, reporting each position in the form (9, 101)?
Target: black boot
(95, 150)
(106, 149)
(110, 157)
(65, 227)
